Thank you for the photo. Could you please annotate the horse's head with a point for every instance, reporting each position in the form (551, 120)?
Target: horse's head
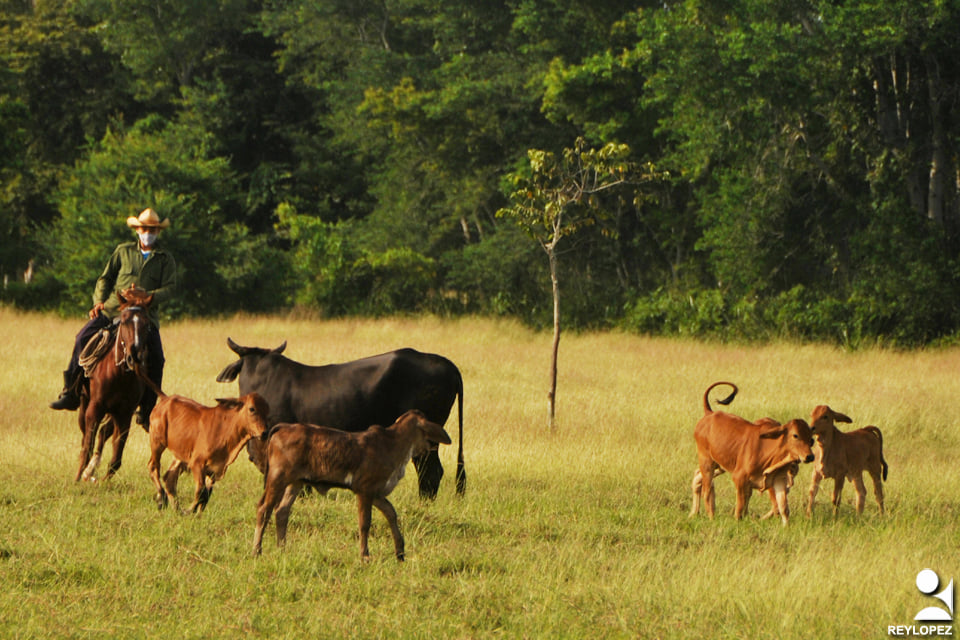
(133, 324)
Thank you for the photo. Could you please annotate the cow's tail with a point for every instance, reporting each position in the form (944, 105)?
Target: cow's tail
(883, 463)
(725, 401)
(461, 472)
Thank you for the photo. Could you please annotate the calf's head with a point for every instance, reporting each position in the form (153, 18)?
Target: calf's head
(822, 421)
(252, 411)
(797, 439)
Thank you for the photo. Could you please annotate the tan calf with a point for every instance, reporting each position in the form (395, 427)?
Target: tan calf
(762, 455)
(779, 480)
(845, 456)
(205, 440)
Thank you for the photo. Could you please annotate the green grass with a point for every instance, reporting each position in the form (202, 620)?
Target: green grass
(581, 532)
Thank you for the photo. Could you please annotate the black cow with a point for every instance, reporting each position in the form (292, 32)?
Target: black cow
(354, 395)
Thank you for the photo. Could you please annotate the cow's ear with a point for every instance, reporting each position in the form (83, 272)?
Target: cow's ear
(229, 403)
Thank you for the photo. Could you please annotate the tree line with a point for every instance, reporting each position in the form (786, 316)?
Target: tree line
(370, 156)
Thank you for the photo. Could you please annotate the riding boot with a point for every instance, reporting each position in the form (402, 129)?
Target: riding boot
(69, 398)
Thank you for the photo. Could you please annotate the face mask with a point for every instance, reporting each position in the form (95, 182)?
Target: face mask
(147, 238)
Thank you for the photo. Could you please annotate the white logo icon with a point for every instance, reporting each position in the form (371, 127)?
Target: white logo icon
(928, 582)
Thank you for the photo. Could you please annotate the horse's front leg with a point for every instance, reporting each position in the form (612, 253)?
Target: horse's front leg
(106, 429)
(89, 418)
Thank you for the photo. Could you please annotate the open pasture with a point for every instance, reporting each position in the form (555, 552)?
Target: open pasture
(581, 532)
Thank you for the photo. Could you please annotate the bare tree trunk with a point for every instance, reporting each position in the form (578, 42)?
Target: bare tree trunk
(892, 87)
(552, 394)
(938, 159)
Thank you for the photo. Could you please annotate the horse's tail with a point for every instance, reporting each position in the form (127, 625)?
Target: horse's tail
(147, 381)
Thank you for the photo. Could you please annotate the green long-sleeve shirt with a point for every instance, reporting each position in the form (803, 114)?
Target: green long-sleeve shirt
(157, 274)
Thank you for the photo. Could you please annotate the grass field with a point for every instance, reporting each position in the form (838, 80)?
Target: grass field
(580, 532)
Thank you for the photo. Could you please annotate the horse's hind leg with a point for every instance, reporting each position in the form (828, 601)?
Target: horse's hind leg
(120, 435)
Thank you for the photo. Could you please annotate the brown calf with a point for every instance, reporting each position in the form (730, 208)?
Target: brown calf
(846, 455)
(204, 439)
(369, 463)
(762, 455)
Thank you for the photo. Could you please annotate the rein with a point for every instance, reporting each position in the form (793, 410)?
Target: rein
(125, 358)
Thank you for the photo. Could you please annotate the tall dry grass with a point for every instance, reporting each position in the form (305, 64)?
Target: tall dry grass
(577, 532)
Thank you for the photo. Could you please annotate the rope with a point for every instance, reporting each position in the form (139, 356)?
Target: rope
(95, 349)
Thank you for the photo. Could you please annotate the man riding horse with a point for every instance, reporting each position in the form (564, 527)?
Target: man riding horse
(141, 265)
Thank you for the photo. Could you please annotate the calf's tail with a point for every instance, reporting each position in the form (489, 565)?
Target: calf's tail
(883, 463)
(725, 401)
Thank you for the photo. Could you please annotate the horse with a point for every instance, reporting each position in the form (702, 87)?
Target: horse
(113, 386)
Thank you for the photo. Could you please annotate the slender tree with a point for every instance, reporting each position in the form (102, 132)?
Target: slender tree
(559, 196)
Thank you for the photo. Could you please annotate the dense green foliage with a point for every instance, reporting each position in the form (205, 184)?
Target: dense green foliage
(350, 156)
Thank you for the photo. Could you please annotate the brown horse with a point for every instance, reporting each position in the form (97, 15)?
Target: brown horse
(114, 385)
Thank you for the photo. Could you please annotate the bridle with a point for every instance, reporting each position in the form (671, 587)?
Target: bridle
(123, 355)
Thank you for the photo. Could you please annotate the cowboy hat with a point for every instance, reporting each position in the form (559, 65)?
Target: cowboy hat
(147, 218)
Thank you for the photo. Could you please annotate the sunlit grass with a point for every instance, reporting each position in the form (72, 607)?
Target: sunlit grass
(577, 532)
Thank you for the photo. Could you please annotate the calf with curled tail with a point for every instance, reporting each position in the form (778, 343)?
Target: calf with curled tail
(778, 479)
(369, 463)
(846, 455)
(760, 455)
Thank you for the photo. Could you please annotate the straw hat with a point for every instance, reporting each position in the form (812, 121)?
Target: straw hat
(147, 218)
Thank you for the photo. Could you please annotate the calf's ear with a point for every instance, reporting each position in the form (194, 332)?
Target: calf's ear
(773, 432)
(839, 417)
(435, 432)
(229, 403)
